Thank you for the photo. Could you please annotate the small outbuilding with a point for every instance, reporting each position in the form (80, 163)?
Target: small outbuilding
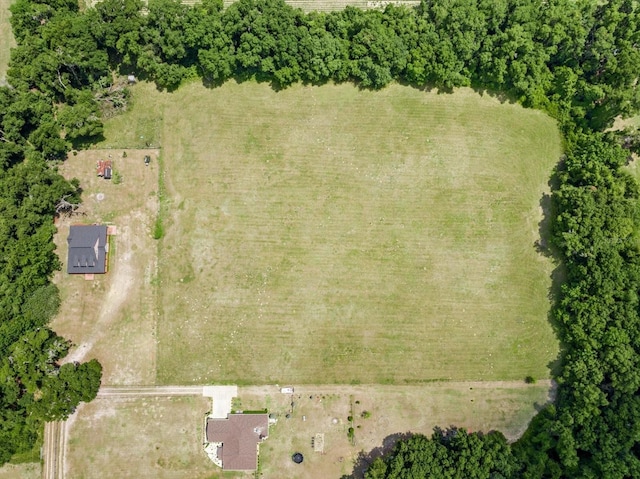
(103, 167)
(87, 249)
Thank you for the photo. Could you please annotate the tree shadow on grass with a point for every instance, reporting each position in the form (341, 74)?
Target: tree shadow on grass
(502, 96)
(553, 394)
(86, 142)
(545, 246)
(268, 78)
(365, 459)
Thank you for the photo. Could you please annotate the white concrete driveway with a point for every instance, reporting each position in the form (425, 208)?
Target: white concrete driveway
(221, 397)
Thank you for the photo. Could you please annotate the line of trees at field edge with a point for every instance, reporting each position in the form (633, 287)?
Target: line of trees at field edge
(577, 60)
(34, 386)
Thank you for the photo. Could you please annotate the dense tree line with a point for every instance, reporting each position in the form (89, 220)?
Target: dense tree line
(451, 453)
(36, 126)
(576, 59)
(594, 428)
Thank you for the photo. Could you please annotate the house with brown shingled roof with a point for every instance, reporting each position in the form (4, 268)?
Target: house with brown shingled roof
(238, 438)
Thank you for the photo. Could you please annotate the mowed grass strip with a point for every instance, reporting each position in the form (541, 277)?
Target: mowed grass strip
(331, 235)
(6, 38)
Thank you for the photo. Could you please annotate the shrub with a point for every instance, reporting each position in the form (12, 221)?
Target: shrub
(158, 229)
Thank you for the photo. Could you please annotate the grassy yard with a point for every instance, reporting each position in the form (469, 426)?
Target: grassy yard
(379, 412)
(331, 235)
(6, 37)
(112, 317)
(161, 437)
(140, 438)
(30, 470)
(316, 235)
(620, 124)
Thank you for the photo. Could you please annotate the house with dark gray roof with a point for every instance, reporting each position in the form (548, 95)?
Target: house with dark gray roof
(87, 249)
(237, 438)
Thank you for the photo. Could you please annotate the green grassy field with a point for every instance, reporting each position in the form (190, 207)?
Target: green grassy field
(6, 37)
(331, 235)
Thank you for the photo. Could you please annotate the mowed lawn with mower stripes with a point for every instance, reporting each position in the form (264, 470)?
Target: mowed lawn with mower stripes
(334, 235)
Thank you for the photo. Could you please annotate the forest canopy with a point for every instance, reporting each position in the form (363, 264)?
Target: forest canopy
(578, 60)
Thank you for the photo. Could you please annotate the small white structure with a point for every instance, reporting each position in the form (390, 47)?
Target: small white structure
(318, 442)
(287, 390)
(131, 79)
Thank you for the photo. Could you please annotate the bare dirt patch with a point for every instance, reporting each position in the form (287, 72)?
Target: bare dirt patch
(112, 317)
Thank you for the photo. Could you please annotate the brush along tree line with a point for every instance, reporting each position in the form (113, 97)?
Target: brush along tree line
(576, 60)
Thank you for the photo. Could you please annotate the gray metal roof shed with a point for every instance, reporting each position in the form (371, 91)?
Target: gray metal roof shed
(87, 249)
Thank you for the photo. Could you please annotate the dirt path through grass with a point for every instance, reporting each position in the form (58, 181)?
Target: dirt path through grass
(122, 278)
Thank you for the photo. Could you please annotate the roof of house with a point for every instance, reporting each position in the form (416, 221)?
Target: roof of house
(87, 252)
(240, 435)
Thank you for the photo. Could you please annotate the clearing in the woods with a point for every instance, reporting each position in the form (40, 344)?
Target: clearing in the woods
(334, 235)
